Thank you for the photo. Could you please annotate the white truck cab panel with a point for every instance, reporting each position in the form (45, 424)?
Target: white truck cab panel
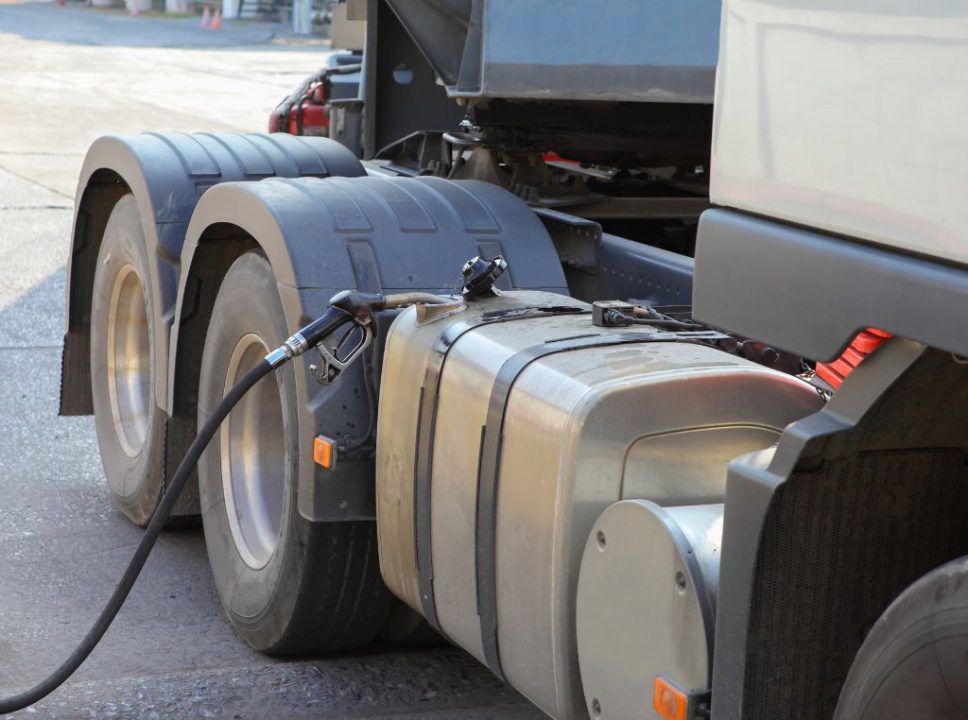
(850, 117)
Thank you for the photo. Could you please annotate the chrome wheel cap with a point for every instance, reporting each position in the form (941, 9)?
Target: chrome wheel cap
(253, 457)
(129, 361)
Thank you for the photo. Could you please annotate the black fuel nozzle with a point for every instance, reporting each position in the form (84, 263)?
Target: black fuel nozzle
(348, 306)
(358, 308)
(345, 307)
(359, 305)
(479, 275)
(309, 336)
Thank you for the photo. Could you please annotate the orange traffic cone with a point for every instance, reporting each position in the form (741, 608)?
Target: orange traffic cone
(216, 20)
(206, 18)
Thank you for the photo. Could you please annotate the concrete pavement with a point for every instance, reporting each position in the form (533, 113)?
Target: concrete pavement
(68, 75)
(80, 25)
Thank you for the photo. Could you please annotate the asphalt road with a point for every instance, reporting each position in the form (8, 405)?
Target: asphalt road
(68, 75)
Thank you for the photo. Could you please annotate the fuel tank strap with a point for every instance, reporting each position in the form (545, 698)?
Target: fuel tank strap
(488, 473)
(426, 430)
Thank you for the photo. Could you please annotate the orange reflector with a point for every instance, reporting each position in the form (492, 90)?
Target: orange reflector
(669, 701)
(324, 452)
(866, 342)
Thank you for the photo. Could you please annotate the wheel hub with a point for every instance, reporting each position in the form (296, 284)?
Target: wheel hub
(253, 458)
(129, 361)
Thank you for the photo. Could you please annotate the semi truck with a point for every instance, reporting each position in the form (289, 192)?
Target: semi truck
(686, 436)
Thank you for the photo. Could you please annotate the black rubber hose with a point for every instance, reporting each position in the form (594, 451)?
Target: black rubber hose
(158, 520)
(670, 323)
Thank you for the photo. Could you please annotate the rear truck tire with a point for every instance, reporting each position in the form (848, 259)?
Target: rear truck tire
(912, 663)
(289, 586)
(130, 426)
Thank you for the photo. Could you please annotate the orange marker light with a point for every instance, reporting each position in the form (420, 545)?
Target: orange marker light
(324, 452)
(669, 701)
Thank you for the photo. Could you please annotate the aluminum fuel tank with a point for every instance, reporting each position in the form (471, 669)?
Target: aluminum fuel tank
(506, 429)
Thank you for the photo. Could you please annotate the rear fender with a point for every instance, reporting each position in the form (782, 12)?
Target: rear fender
(166, 173)
(374, 234)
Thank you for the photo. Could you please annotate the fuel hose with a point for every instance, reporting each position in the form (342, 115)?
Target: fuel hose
(345, 307)
(301, 341)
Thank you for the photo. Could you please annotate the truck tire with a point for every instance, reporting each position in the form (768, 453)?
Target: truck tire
(289, 586)
(130, 425)
(911, 664)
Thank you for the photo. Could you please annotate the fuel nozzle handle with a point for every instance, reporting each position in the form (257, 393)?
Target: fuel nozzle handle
(309, 336)
(344, 307)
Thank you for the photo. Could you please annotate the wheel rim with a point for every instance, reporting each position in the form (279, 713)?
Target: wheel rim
(129, 361)
(252, 450)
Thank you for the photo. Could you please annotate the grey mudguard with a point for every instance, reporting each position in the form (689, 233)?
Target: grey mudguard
(166, 173)
(375, 234)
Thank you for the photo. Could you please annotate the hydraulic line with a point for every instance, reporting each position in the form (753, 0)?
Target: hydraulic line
(618, 319)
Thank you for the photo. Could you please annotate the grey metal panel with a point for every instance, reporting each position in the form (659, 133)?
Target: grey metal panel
(647, 50)
(600, 266)
(470, 66)
(592, 82)
(810, 293)
(638, 50)
(401, 92)
(635, 270)
(439, 28)
(323, 236)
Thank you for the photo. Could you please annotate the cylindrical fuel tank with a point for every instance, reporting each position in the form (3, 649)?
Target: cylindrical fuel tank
(504, 432)
(646, 606)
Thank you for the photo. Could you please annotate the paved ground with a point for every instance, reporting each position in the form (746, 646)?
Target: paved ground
(68, 75)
